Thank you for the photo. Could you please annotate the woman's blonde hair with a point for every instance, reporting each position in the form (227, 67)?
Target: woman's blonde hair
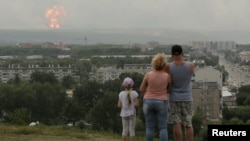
(159, 61)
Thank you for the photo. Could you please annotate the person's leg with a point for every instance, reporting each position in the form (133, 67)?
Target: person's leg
(125, 128)
(132, 138)
(187, 120)
(174, 117)
(124, 138)
(162, 119)
(189, 133)
(149, 114)
(177, 130)
(132, 127)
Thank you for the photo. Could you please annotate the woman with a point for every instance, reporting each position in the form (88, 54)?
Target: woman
(155, 86)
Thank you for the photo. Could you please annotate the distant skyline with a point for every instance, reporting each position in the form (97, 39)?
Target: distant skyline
(115, 36)
(191, 15)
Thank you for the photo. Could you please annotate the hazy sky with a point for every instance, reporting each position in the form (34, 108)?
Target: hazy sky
(168, 14)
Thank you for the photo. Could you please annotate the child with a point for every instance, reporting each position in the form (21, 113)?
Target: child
(128, 99)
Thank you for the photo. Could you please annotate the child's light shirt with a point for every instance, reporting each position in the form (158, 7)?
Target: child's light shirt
(127, 110)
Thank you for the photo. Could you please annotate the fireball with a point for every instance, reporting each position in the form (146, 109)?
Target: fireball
(55, 16)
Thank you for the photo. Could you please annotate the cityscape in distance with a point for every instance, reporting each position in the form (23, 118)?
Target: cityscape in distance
(119, 36)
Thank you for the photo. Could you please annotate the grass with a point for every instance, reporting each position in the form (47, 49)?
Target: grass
(54, 133)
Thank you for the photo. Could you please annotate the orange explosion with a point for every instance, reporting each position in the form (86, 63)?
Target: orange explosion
(55, 16)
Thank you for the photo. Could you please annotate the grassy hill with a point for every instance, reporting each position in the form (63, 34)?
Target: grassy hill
(55, 133)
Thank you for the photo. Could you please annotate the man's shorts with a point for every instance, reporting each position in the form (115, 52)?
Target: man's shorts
(180, 112)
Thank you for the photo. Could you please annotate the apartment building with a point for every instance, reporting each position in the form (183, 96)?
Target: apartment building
(229, 98)
(244, 56)
(207, 92)
(10, 72)
(220, 45)
(207, 97)
(208, 74)
(103, 74)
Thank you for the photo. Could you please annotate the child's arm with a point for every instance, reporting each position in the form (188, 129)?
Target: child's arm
(119, 104)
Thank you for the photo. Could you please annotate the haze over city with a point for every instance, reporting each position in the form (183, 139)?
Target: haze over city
(169, 20)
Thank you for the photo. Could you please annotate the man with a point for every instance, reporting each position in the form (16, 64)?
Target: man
(180, 95)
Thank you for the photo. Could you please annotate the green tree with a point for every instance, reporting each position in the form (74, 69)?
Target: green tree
(68, 82)
(240, 98)
(87, 95)
(72, 110)
(43, 77)
(235, 121)
(15, 96)
(105, 114)
(202, 136)
(16, 100)
(16, 79)
(247, 122)
(20, 116)
(243, 97)
(113, 85)
(83, 68)
(226, 113)
(241, 112)
(197, 121)
(49, 102)
(247, 101)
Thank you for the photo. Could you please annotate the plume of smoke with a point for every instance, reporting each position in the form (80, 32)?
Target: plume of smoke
(55, 16)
